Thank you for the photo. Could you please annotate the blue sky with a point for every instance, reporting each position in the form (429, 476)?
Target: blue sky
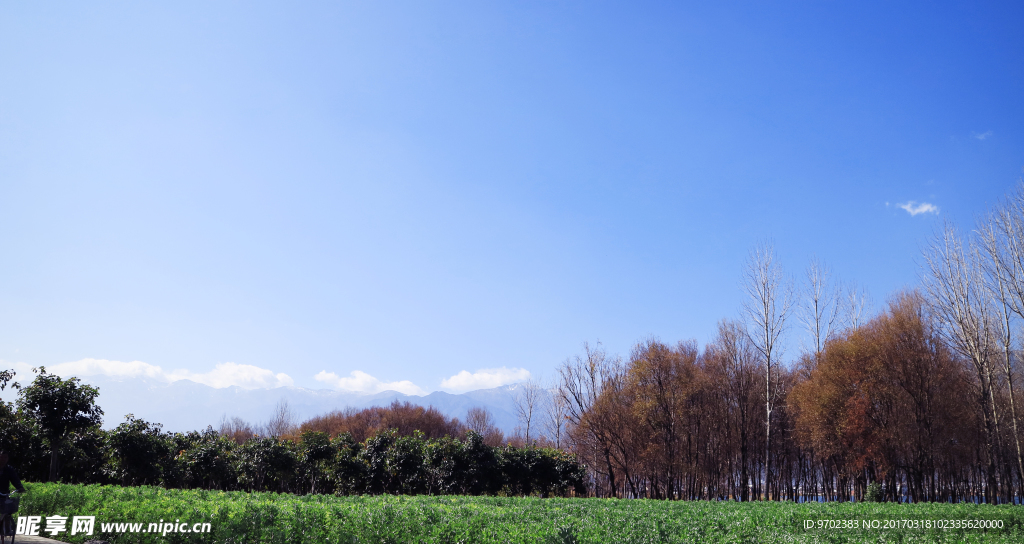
(411, 190)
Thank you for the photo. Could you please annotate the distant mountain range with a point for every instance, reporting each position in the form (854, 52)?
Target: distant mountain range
(185, 405)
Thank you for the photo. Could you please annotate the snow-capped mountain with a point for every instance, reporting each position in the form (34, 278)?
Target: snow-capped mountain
(185, 405)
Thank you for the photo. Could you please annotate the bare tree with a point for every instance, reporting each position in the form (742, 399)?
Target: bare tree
(582, 382)
(768, 305)
(282, 422)
(556, 417)
(955, 282)
(1002, 236)
(480, 421)
(821, 305)
(527, 400)
(237, 429)
(733, 349)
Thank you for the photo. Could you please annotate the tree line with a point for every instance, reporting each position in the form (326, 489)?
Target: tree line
(52, 433)
(919, 402)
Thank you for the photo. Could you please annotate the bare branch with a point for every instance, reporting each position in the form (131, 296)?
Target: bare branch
(821, 305)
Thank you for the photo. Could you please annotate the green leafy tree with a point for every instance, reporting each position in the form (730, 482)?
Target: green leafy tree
(84, 457)
(203, 459)
(60, 408)
(480, 475)
(19, 437)
(571, 474)
(405, 464)
(445, 465)
(516, 466)
(395, 463)
(266, 464)
(137, 449)
(316, 453)
(375, 454)
(8, 418)
(348, 473)
(5, 377)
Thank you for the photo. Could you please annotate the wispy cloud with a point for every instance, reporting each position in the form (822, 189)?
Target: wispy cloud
(485, 378)
(982, 135)
(914, 208)
(222, 375)
(362, 382)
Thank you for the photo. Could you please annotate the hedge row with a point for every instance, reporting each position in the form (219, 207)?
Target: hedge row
(138, 453)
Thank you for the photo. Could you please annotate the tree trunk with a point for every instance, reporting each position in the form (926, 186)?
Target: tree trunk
(744, 478)
(53, 464)
(1013, 416)
(767, 448)
(611, 472)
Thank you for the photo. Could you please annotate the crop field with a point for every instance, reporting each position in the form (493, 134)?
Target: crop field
(124, 515)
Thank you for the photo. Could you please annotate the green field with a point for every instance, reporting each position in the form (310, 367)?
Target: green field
(250, 518)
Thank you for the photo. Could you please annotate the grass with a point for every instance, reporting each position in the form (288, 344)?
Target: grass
(251, 518)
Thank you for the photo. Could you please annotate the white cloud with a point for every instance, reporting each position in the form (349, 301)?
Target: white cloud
(222, 375)
(103, 367)
(22, 369)
(362, 382)
(913, 208)
(228, 374)
(485, 378)
(981, 136)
